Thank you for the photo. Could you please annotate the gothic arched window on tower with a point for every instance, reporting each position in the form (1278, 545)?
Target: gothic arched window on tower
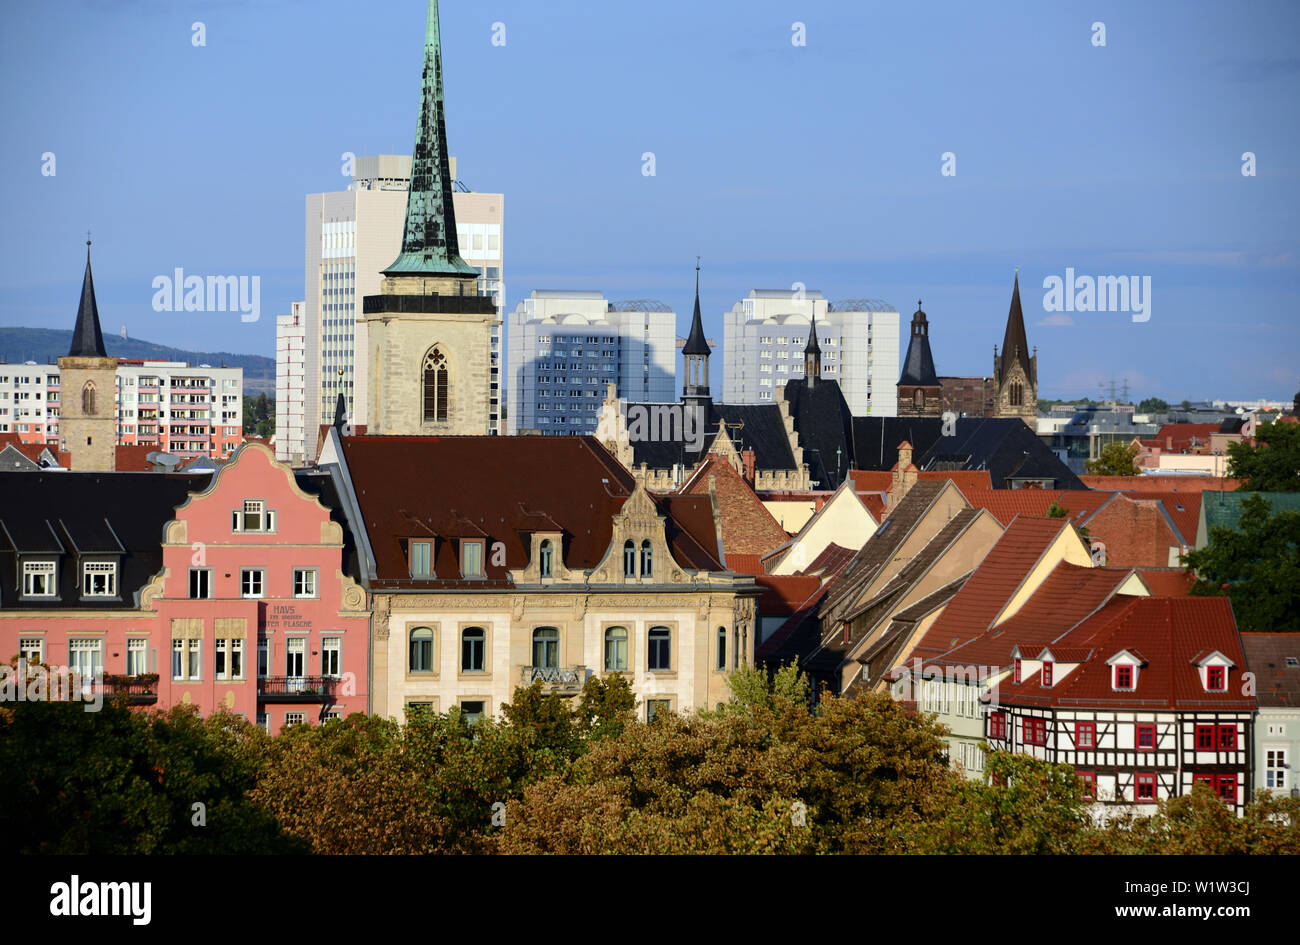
(918, 399)
(88, 399)
(435, 386)
(1017, 394)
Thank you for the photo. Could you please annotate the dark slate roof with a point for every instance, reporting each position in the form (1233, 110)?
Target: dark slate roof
(825, 426)
(1274, 658)
(322, 485)
(1005, 446)
(918, 366)
(87, 340)
(502, 488)
(751, 426)
(59, 514)
(695, 341)
(1015, 345)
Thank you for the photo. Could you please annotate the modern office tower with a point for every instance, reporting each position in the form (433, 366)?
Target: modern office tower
(566, 346)
(290, 435)
(763, 348)
(184, 410)
(351, 236)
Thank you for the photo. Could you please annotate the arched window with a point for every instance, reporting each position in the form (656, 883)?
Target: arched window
(1017, 394)
(473, 643)
(647, 559)
(435, 386)
(88, 399)
(918, 399)
(722, 648)
(629, 559)
(616, 650)
(546, 648)
(545, 558)
(661, 647)
(421, 660)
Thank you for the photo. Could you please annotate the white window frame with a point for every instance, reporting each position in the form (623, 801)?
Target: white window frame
(137, 656)
(256, 512)
(32, 646)
(331, 645)
(1276, 765)
(91, 569)
(244, 581)
(93, 646)
(46, 570)
(226, 652)
(294, 718)
(306, 583)
(207, 582)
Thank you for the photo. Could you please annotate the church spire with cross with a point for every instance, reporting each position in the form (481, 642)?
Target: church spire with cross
(695, 353)
(87, 339)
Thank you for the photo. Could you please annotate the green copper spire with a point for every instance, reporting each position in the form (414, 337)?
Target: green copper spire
(429, 245)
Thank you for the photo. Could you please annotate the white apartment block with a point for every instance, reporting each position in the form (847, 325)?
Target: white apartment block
(351, 235)
(566, 346)
(764, 335)
(290, 434)
(187, 411)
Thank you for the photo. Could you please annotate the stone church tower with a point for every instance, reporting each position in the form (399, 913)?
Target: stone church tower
(88, 381)
(430, 332)
(1015, 373)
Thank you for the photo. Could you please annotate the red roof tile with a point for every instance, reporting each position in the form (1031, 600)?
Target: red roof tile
(745, 564)
(1161, 483)
(831, 561)
(1002, 572)
(1184, 436)
(748, 528)
(878, 480)
(1168, 582)
(1168, 633)
(784, 593)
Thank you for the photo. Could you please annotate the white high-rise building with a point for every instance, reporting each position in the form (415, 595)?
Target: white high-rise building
(290, 435)
(566, 346)
(764, 337)
(351, 235)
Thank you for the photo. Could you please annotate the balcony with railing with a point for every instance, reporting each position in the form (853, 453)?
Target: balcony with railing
(297, 688)
(560, 680)
(137, 690)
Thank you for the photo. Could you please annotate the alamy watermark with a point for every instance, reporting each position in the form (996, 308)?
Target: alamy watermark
(930, 684)
(657, 423)
(1073, 293)
(38, 683)
(181, 293)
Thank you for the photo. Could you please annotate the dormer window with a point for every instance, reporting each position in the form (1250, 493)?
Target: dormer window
(647, 559)
(1047, 674)
(1124, 677)
(1216, 678)
(1015, 670)
(253, 516)
(99, 579)
(544, 558)
(629, 559)
(39, 578)
(420, 558)
(471, 558)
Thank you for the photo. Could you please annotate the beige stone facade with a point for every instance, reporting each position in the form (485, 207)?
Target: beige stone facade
(88, 414)
(400, 341)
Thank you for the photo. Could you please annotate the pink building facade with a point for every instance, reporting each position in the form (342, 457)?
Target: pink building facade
(251, 610)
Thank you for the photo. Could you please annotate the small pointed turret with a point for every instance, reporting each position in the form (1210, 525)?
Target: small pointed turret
(695, 354)
(812, 353)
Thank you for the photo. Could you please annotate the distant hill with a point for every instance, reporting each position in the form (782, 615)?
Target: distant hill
(41, 344)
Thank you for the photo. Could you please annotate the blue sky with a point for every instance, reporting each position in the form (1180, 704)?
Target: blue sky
(819, 164)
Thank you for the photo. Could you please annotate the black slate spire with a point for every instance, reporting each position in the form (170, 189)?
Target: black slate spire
(812, 347)
(695, 342)
(918, 366)
(87, 339)
(1015, 345)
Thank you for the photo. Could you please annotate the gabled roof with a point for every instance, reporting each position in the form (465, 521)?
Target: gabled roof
(995, 582)
(1070, 595)
(832, 560)
(1167, 633)
(1274, 658)
(1167, 582)
(1180, 437)
(1005, 446)
(494, 487)
(1158, 483)
(756, 427)
(748, 528)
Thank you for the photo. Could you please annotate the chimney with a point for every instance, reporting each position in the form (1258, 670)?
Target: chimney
(749, 462)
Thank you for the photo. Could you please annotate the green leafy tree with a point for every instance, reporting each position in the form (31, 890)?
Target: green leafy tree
(608, 706)
(1152, 405)
(1272, 462)
(1257, 564)
(1116, 459)
(1055, 511)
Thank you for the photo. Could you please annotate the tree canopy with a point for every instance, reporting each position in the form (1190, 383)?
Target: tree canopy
(1116, 459)
(1271, 463)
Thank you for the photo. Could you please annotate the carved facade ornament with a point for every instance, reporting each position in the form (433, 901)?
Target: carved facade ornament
(150, 593)
(353, 596)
